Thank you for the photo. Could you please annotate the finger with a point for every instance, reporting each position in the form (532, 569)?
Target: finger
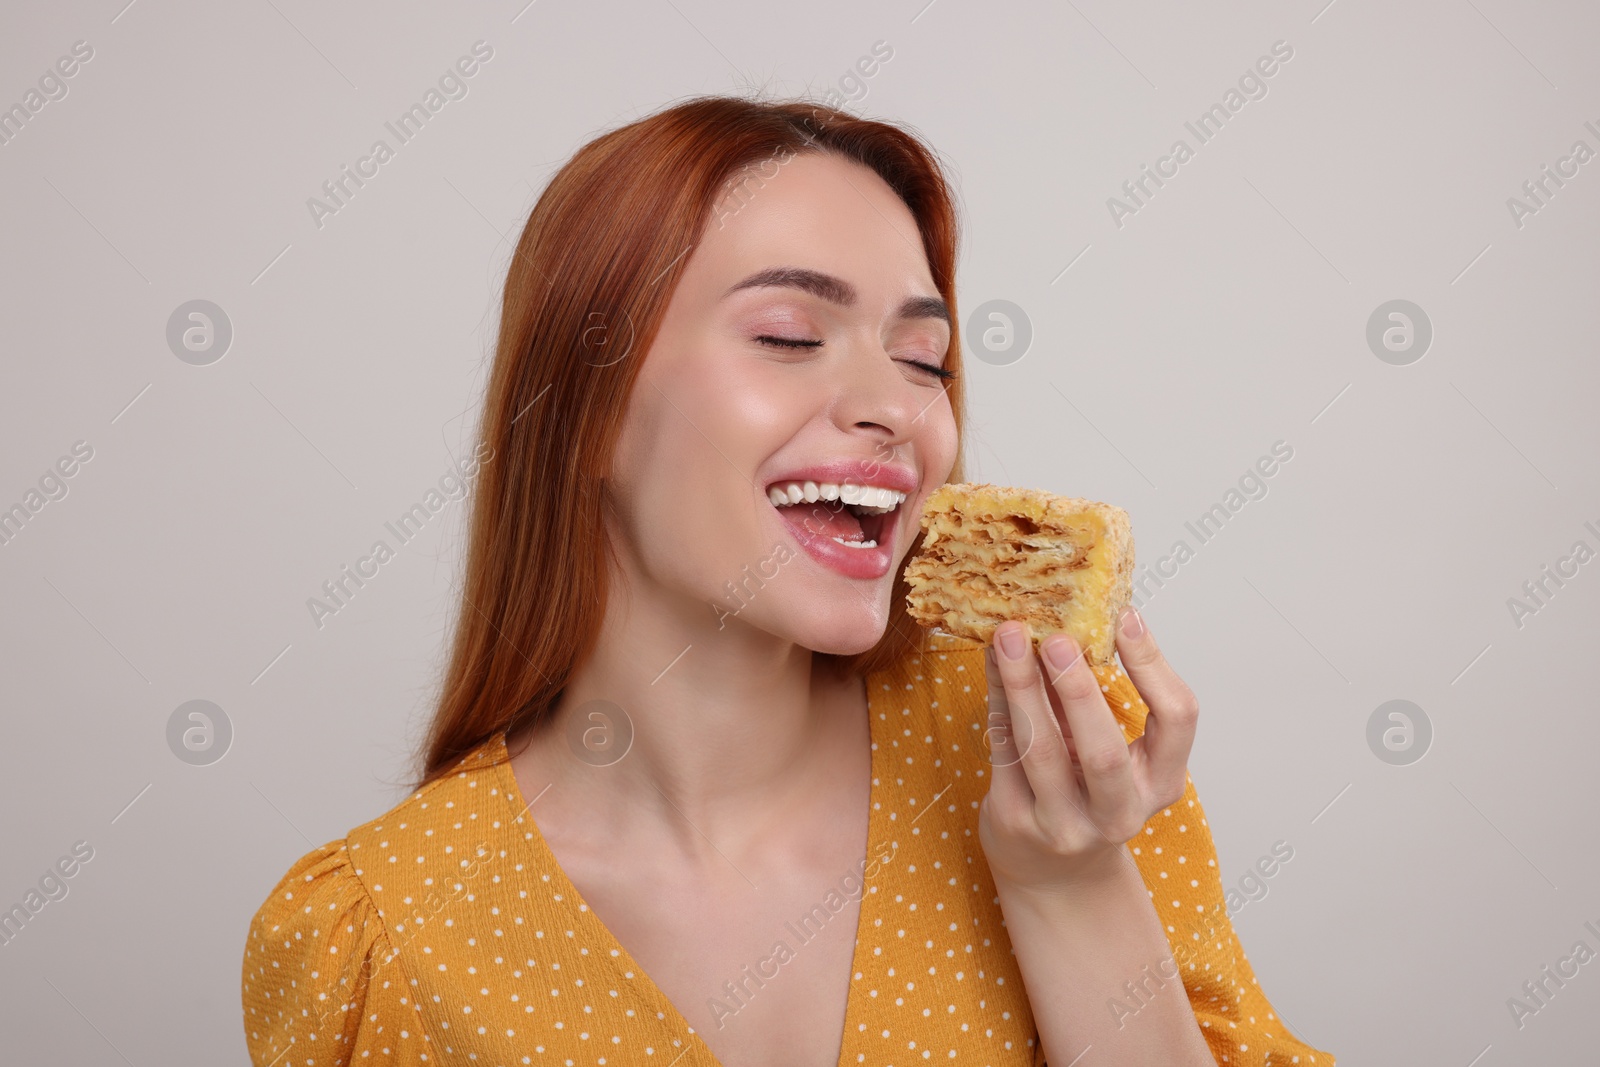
(1008, 781)
(1043, 772)
(1061, 719)
(998, 742)
(1101, 746)
(1174, 712)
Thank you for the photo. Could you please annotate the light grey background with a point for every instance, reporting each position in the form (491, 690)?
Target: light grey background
(1168, 354)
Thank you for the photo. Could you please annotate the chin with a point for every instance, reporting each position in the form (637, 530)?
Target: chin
(840, 629)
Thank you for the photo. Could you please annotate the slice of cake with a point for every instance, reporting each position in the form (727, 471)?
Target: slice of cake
(991, 553)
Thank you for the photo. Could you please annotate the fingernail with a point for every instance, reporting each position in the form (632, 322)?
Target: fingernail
(1061, 652)
(1132, 623)
(1010, 639)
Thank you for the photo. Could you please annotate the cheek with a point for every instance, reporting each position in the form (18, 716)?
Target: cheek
(667, 496)
(753, 406)
(936, 444)
(684, 473)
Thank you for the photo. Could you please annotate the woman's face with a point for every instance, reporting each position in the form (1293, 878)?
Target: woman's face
(786, 369)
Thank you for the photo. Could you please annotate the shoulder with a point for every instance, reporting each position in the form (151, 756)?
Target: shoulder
(317, 947)
(438, 819)
(308, 955)
(437, 833)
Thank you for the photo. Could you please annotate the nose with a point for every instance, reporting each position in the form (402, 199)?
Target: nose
(876, 393)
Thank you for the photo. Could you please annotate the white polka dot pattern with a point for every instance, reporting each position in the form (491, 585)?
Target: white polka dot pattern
(446, 932)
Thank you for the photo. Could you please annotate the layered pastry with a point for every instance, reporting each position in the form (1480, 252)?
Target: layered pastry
(991, 553)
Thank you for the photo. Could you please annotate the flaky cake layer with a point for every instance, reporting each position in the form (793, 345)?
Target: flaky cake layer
(991, 553)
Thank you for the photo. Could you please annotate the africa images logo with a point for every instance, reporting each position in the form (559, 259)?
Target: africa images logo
(1252, 85)
(342, 188)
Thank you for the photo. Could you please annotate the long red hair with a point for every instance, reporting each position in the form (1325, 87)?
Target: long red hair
(585, 293)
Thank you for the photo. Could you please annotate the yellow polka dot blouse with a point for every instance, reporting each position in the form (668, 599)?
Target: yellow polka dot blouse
(445, 932)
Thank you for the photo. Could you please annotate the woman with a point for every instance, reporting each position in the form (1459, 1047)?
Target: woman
(697, 790)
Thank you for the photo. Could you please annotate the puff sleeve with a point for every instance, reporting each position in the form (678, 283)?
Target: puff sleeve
(321, 985)
(1177, 859)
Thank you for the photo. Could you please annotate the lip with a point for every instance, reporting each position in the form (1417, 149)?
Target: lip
(866, 564)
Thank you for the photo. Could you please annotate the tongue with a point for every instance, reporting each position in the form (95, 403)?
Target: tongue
(825, 518)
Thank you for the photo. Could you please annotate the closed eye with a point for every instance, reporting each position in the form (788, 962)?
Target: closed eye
(947, 375)
(787, 342)
(790, 342)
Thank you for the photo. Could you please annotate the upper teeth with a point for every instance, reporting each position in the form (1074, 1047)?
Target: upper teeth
(869, 498)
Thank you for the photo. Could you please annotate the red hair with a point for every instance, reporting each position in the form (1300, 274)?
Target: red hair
(595, 266)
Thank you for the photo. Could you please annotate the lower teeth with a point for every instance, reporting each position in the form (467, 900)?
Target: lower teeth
(856, 544)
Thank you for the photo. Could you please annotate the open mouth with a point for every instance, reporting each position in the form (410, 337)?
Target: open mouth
(856, 516)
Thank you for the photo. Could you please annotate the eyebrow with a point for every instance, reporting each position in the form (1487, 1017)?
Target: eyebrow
(837, 291)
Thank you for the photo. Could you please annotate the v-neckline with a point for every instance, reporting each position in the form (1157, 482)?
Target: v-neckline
(545, 859)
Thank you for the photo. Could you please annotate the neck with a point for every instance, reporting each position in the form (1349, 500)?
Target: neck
(731, 728)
